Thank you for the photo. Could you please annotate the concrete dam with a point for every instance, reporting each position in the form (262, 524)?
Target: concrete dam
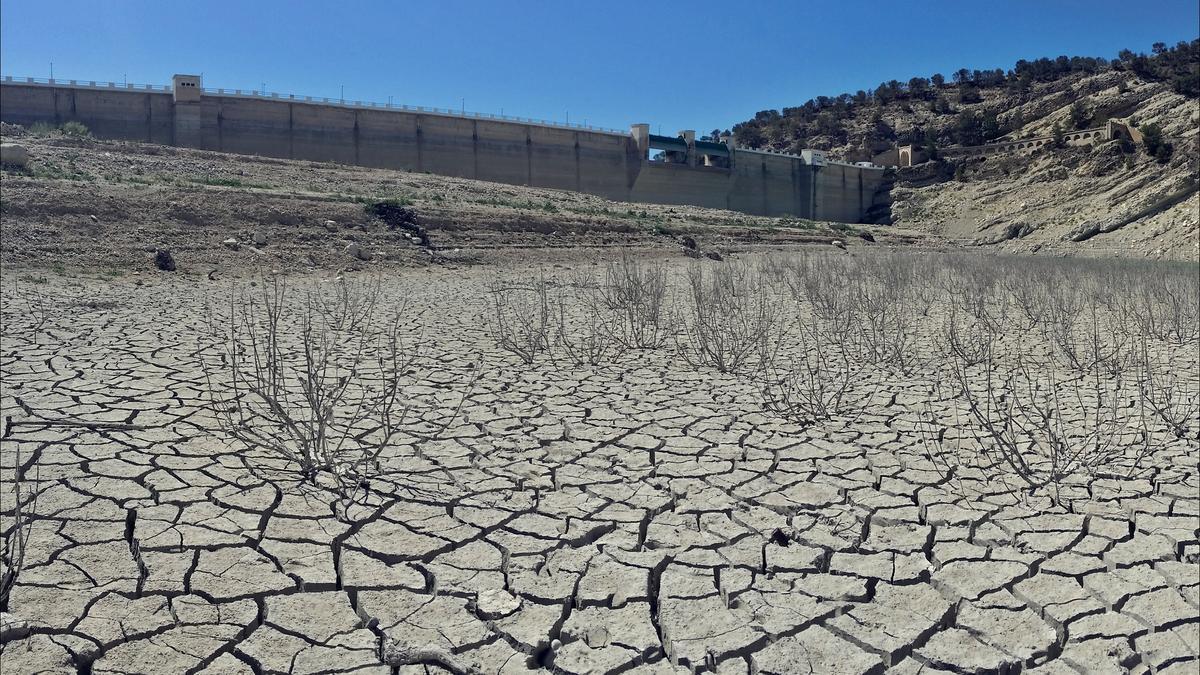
(612, 164)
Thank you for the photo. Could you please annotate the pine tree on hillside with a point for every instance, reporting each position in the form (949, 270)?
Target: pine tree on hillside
(968, 130)
(931, 148)
(990, 127)
(1081, 115)
(1056, 136)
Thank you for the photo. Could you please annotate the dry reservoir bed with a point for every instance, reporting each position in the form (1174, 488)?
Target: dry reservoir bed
(812, 463)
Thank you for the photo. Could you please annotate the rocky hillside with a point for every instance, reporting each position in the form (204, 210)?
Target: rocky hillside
(1111, 198)
(1115, 197)
(970, 107)
(1100, 200)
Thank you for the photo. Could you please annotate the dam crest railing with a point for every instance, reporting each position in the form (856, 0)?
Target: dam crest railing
(320, 100)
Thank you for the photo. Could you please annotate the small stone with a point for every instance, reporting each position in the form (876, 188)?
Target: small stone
(496, 603)
(163, 260)
(355, 250)
(14, 155)
(231, 243)
(596, 637)
(260, 239)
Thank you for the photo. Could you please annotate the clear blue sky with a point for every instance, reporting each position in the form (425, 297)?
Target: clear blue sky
(676, 64)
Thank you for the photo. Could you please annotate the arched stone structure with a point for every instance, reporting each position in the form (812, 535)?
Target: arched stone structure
(1078, 138)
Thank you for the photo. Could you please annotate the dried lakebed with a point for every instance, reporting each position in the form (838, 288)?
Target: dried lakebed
(642, 515)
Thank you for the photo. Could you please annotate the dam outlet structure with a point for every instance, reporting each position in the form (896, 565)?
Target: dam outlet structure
(613, 164)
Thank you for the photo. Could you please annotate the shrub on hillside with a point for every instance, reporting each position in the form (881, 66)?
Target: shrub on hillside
(72, 129)
(1155, 145)
(968, 129)
(967, 94)
(75, 130)
(1057, 139)
(1187, 84)
(1081, 115)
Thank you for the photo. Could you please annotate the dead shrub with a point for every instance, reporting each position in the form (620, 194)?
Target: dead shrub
(635, 293)
(1087, 341)
(1047, 428)
(17, 519)
(884, 324)
(965, 338)
(584, 331)
(728, 318)
(331, 400)
(1169, 393)
(1029, 297)
(971, 282)
(31, 304)
(1166, 306)
(522, 320)
(815, 382)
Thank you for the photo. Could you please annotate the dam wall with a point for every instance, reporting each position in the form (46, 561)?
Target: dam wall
(611, 164)
(844, 192)
(141, 114)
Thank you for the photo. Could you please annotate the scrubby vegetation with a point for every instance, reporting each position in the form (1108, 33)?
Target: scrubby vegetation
(330, 407)
(1154, 144)
(70, 129)
(1055, 377)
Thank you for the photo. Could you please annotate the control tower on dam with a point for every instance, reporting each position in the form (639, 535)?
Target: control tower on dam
(632, 165)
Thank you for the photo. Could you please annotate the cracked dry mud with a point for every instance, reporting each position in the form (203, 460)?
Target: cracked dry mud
(636, 517)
